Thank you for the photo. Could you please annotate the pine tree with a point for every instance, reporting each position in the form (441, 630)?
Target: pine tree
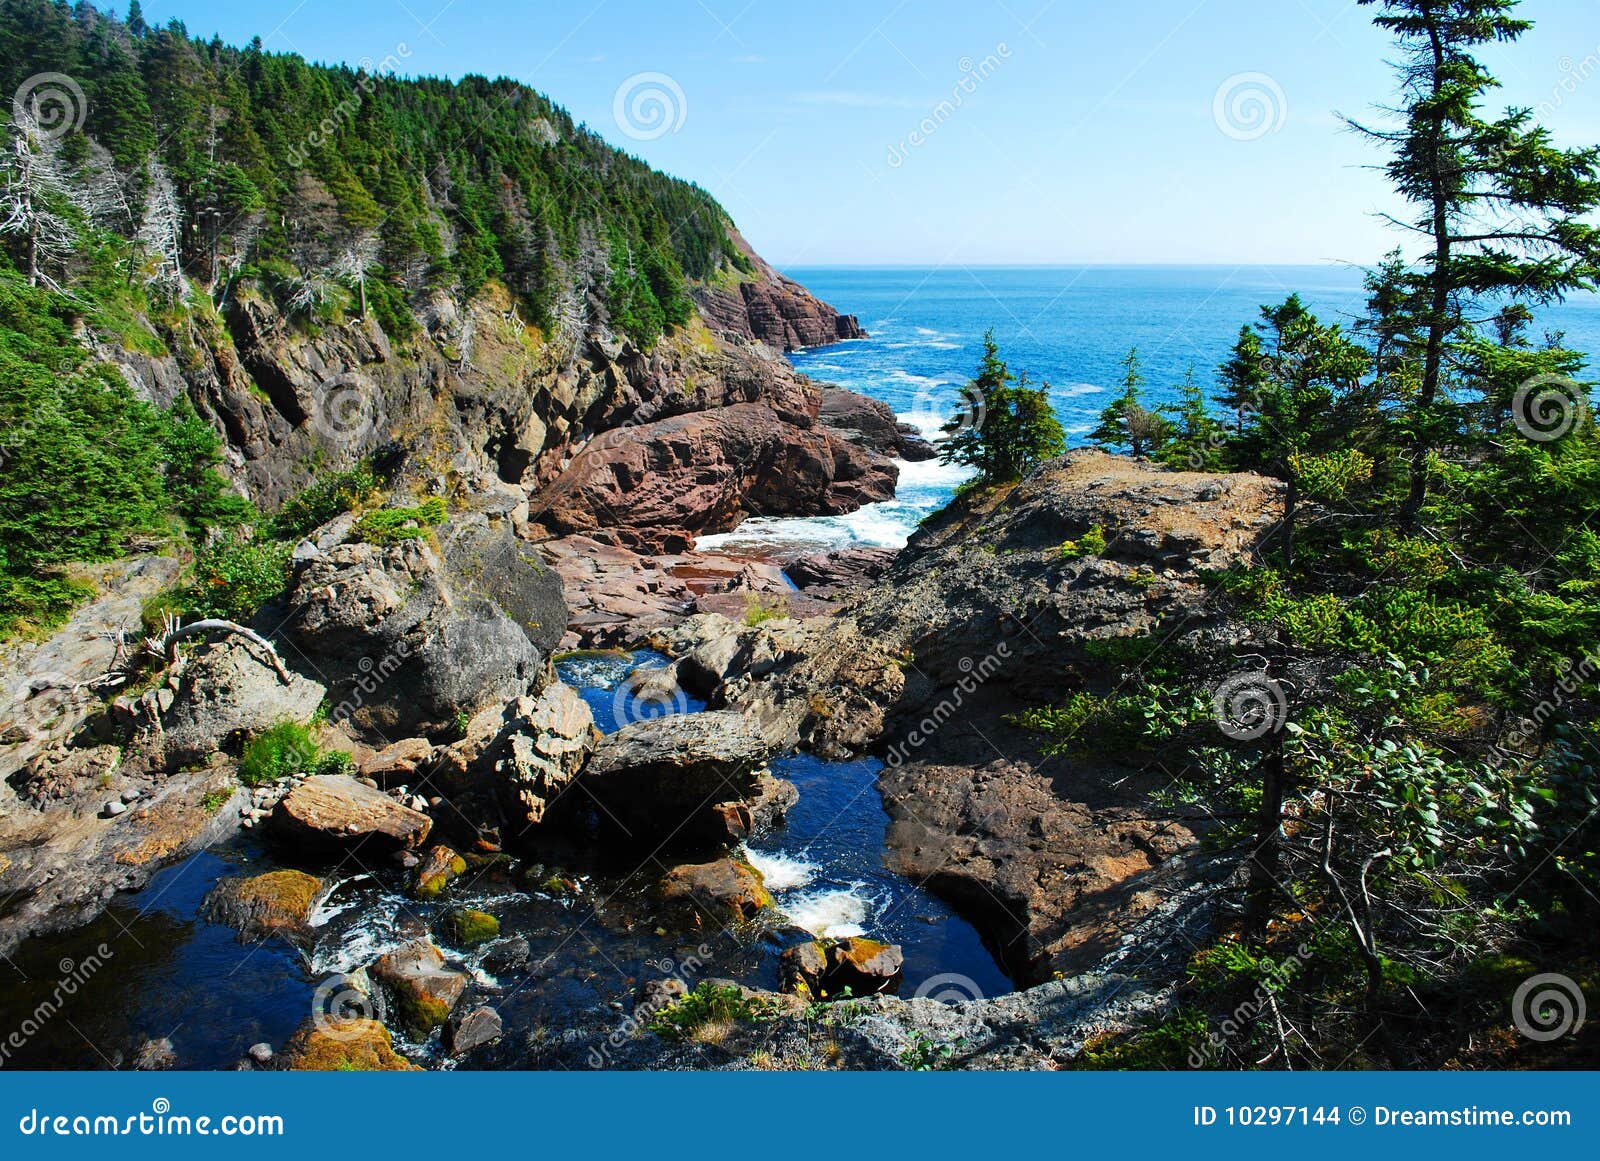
(1501, 209)
(1126, 422)
(1007, 427)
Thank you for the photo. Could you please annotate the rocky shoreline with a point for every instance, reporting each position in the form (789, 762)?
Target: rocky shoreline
(577, 483)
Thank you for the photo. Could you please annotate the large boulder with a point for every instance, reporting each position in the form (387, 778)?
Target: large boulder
(515, 762)
(408, 639)
(716, 892)
(677, 780)
(422, 991)
(278, 903)
(334, 1045)
(658, 485)
(224, 694)
(335, 815)
(872, 424)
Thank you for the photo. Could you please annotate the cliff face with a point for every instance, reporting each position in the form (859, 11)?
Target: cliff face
(477, 400)
(775, 309)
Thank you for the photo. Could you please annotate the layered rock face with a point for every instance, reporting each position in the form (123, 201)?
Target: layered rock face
(658, 485)
(774, 309)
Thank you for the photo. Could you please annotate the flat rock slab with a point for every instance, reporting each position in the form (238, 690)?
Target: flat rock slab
(334, 814)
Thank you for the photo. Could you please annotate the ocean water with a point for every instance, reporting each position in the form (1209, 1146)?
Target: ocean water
(1068, 326)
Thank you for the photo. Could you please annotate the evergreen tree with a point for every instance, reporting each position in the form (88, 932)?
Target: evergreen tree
(1126, 422)
(1008, 426)
(1501, 209)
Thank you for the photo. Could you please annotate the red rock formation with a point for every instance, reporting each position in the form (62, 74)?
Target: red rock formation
(774, 309)
(658, 485)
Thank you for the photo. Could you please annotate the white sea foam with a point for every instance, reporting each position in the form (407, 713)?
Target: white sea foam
(781, 872)
(885, 525)
(933, 474)
(831, 914)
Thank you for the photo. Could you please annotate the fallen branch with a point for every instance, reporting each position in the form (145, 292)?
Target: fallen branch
(173, 631)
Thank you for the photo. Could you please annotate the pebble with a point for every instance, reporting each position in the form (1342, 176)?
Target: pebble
(115, 808)
(261, 1053)
(132, 795)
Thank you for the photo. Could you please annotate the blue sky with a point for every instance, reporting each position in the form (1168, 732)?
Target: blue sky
(1182, 131)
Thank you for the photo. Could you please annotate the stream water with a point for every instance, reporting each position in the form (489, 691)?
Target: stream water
(591, 936)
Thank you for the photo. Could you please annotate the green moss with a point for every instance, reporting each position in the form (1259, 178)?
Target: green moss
(392, 525)
(468, 928)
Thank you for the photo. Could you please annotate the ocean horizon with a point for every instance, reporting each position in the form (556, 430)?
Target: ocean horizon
(1068, 325)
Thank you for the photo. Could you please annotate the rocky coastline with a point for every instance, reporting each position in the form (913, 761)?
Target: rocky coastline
(577, 481)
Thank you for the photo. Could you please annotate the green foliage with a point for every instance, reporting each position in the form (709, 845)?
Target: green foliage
(1126, 423)
(1091, 543)
(234, 577)
(435, 183)
(1007, 427)
(85, 466)
(707, 1004)
(392, 525)
(285, 749)
(330, 494)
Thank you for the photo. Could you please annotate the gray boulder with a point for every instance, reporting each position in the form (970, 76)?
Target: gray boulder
(407, 640)
(686, 780)
(226, 693)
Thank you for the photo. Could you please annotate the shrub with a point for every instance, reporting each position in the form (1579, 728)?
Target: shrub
(235, 577)
(1091, 543)
(392, 525)
(287, 748)
(330, 494)
(707, 1004)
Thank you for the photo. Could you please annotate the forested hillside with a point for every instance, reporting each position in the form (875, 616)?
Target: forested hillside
(224, 161)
